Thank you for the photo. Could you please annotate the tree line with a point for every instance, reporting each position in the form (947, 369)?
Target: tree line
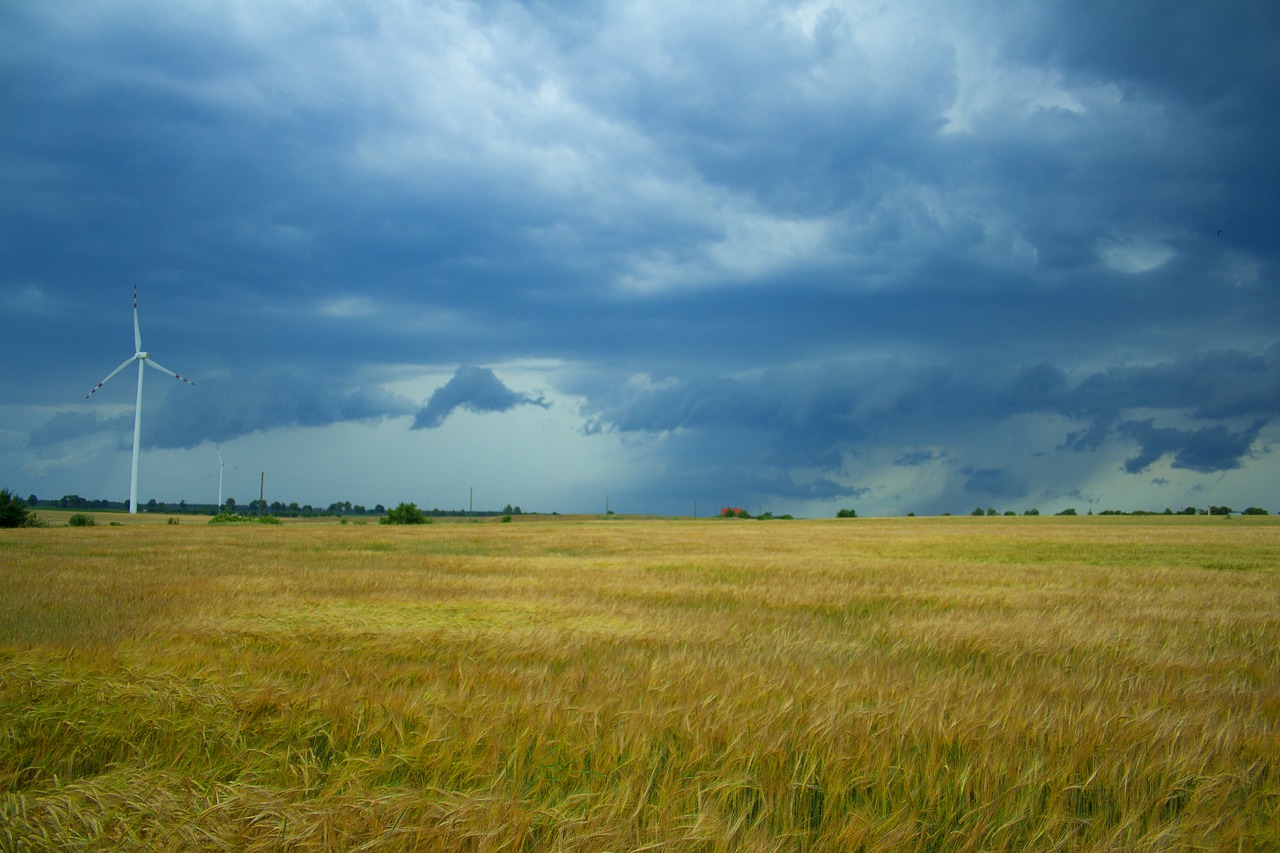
(280, 509)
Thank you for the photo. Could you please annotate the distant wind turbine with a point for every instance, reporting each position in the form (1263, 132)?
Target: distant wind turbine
(219, 467)
(143, 358)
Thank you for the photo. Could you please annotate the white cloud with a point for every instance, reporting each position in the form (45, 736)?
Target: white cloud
(1134, 255)
(751, 245)
(349, 307)
(991, 92)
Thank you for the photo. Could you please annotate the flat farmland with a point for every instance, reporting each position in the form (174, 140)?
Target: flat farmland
(629, 684)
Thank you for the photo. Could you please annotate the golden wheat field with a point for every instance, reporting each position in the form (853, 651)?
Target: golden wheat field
(630, 684)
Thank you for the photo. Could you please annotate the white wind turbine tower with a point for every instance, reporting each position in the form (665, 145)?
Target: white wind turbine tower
(219, 467)
(143, 358)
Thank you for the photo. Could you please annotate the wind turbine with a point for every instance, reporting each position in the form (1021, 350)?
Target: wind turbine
(221, 465)
(143, 358)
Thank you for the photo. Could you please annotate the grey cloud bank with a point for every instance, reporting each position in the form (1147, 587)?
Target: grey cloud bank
(797, 255)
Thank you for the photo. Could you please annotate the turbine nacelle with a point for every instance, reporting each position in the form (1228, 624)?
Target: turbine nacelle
(142, 355)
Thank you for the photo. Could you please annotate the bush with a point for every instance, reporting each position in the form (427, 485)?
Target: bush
(406, 513)
(13, 511)
(236, 518)
(847, 513)
(81, 520)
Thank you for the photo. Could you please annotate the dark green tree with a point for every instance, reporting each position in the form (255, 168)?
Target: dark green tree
(13, 512)
(406, 513)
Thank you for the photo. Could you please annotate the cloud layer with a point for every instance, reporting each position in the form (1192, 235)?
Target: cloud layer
(917, 254)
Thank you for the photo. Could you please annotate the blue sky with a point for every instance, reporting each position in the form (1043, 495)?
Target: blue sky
(908, 257)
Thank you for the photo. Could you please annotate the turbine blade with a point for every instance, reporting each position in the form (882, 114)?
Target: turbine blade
(163, 369)
(122, 366)
(137, 332)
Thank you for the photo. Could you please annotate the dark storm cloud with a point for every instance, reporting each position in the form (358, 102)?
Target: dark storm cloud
(1206, 450)
(476, 389)
(70, 426)
(1226, 387)
(220, 410)
(824, 231)
(817, 417)
(224, 410)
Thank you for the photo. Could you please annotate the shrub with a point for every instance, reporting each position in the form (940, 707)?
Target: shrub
(847, 513)
(81, 520)
(406, 513)
(236, 518)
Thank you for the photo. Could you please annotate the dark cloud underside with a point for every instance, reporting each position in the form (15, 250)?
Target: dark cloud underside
(476, 389)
